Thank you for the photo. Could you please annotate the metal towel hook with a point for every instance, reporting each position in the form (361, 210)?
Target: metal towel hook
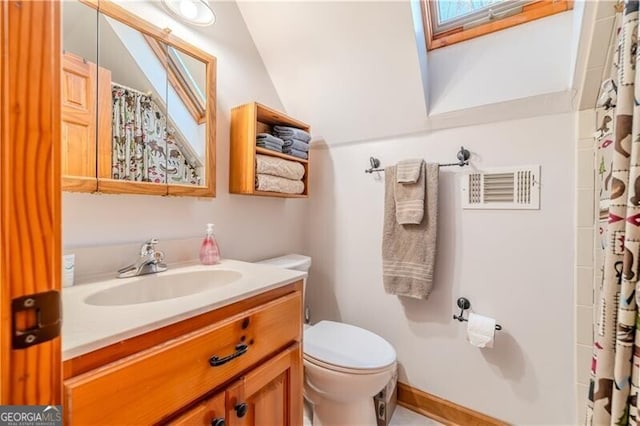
(375, 163)
(463, 156)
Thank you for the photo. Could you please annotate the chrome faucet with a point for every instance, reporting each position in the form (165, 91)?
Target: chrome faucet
(149, 262)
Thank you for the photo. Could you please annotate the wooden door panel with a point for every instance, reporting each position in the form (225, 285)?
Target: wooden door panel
(30, 252)
(77, 79)
(77, 149)
(271, 392)
(79, 86)
(203, 414)
(105, 122)
(268, 406)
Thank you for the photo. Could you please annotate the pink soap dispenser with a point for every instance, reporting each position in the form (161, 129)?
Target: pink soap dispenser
(209, 251)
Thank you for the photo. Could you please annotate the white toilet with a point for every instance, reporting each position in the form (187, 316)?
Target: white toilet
(344, 365)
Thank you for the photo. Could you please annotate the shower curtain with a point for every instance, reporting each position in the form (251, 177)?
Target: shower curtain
(144, 149)
(615, 367)
(139, 129)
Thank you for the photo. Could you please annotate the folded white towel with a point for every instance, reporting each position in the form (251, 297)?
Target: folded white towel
(408, 171)
(410, 198)
(269, 165)
(278, 184)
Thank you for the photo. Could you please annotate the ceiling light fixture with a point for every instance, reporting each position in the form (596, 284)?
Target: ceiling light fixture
(196, 12)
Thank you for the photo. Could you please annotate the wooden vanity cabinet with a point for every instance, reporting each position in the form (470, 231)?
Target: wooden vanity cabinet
(210, 412)
(268, 395)
(241, 364)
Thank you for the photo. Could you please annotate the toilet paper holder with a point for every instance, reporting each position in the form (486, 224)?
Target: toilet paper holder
(464, 304)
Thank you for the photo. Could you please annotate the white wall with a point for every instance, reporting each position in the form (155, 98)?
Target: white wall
(350, 68)
(516, 266)
(355, 71)
(248, 228)
(527, 60)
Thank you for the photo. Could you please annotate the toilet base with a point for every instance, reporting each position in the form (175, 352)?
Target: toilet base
(360, 413)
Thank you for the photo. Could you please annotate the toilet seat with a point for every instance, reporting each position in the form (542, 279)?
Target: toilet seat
(347, 348)
(339, 369)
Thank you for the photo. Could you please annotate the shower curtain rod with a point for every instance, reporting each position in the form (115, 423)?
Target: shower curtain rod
(131, 89)
(463, 160)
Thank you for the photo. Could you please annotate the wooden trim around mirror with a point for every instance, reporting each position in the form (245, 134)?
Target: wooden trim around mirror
(79, 184)
(113, 186)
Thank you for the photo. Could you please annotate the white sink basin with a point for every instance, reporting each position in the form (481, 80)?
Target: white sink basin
(156, 287)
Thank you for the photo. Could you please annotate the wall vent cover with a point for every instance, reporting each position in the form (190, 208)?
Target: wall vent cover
(502, 188)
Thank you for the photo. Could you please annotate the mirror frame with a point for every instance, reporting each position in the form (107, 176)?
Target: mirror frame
(114, 186)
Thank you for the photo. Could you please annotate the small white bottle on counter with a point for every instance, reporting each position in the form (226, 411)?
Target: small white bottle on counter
(68, 269)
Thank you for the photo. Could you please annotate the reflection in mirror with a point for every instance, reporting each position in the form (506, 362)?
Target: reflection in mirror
(79, 96)
(136, 109)
(187, 106)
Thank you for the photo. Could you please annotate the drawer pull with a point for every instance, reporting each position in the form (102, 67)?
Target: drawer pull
(241, 409)
(218, 422)
(216, 360)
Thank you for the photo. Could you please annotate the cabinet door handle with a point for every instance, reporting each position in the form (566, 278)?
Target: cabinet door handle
(241, 409)
(240, 350)
(218, 422)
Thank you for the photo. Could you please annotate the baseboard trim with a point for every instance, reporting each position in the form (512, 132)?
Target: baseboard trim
(443, 411)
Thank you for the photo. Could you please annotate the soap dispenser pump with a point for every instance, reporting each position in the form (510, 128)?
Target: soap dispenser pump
(209, 251)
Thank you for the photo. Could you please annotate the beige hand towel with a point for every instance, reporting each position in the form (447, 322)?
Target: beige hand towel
(269, 165)
(410, 198)
(408, 251)
(278, 184)
(408, 171)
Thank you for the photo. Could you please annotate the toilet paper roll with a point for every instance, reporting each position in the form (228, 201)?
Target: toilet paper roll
(481, 330)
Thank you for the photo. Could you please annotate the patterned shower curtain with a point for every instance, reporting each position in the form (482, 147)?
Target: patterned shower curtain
(139, 129)
(141, 141)
(615, 368)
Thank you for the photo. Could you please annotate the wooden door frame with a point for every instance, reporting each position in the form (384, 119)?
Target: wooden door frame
(30, 220)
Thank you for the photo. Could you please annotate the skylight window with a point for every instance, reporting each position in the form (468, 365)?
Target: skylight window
(453, 10)
(452, 21)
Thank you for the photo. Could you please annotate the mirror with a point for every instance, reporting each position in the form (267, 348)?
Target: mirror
(133, 103)
(79, 96)
(187, 112)
(153, 116)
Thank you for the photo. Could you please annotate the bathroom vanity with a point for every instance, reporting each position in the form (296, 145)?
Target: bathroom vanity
(227, 355)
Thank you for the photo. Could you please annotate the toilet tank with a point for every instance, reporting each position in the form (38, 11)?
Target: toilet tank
(297, 262)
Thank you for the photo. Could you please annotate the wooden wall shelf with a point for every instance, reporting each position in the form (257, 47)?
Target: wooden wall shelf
(246, 122)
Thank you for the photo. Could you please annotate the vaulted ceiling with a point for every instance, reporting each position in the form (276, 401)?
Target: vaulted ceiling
(358, 70)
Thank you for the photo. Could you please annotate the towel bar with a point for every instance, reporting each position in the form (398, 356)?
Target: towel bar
(463, 160)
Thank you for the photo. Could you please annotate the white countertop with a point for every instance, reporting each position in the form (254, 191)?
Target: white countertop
(86, 328)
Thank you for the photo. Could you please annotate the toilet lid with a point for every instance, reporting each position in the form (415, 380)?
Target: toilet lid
(347, 346)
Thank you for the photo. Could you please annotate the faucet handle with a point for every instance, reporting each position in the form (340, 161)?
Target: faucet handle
(158, 256)
(148, 247)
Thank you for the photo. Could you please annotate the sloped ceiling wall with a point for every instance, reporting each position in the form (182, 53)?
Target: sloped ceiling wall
(348, 68)
(352, 69)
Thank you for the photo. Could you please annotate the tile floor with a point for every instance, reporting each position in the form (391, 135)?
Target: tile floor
(404, 417)
(401, 417)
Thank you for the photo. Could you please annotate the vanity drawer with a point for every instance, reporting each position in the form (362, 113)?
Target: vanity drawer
(147, 387)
